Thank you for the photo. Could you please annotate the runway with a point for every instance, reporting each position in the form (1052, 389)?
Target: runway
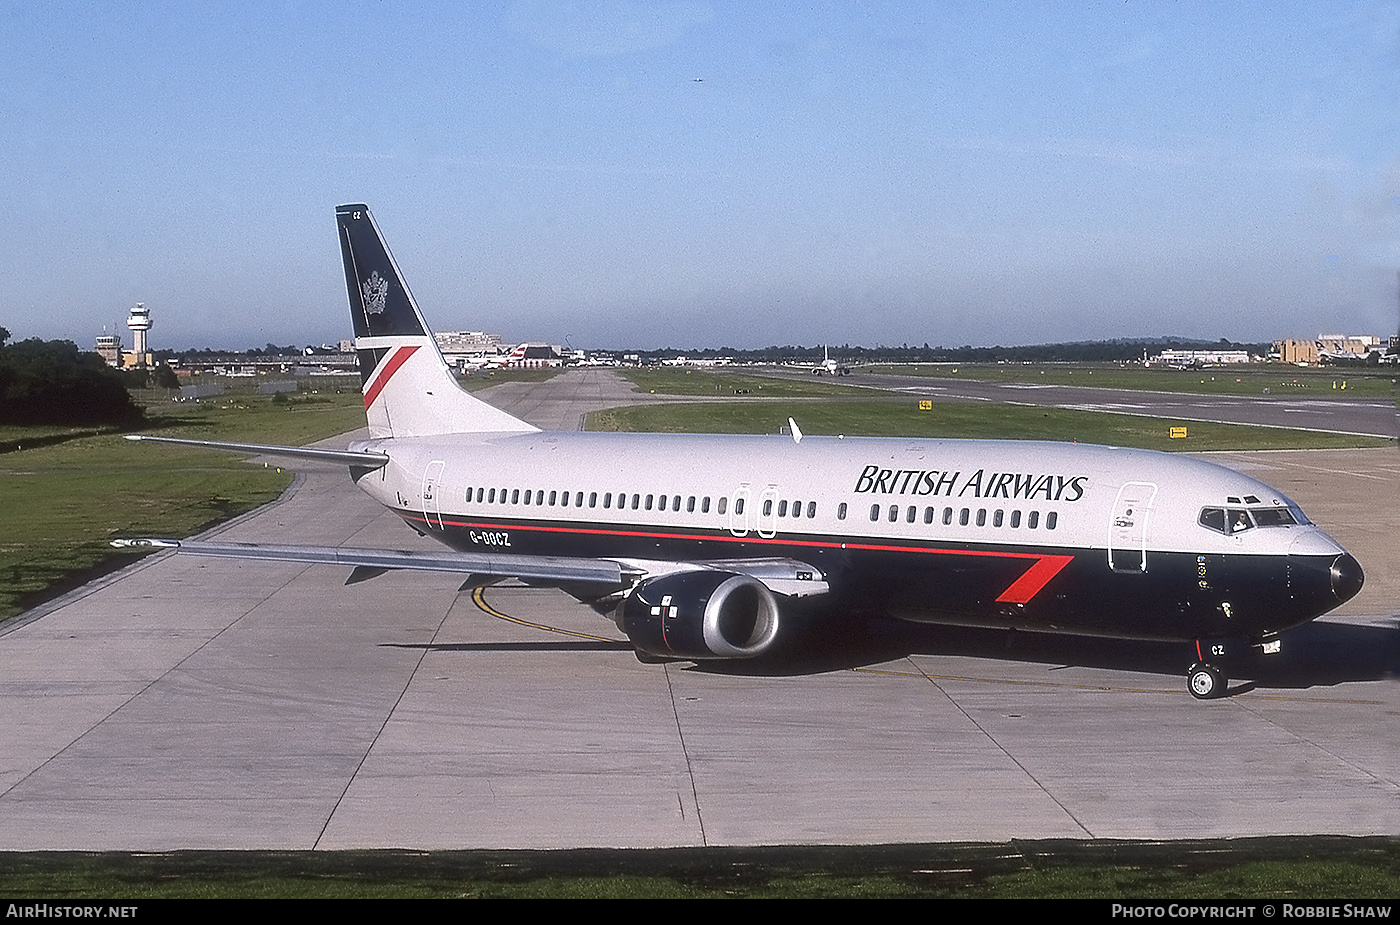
(191, 703)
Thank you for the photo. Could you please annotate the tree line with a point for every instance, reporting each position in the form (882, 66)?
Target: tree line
(53, 382)
(1103, 351)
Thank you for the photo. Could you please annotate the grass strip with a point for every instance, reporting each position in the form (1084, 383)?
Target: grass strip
(902, 417)
(65, 501)
(1298, 869)
(1273, 380)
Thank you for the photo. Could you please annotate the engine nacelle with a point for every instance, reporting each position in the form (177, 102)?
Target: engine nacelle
(701, 614)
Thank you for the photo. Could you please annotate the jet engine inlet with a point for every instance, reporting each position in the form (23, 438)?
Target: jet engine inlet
(701, 614)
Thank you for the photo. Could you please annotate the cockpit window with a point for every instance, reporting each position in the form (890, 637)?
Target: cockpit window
(1273, 517)
(1237, 521)
(1231, 521)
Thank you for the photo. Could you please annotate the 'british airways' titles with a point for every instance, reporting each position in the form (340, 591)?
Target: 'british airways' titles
(980, 484)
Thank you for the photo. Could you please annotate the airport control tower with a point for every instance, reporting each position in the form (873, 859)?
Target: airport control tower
(140, 322)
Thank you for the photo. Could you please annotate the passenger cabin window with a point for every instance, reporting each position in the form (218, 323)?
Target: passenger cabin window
(811, 509)
(841, 511)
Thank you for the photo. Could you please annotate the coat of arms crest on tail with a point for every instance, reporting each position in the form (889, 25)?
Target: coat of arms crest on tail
(375, 291)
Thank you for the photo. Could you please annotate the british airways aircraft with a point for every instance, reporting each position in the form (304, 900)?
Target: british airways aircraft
(715, 547)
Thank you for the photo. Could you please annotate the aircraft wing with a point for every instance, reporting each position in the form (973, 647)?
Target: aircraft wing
(788, 577)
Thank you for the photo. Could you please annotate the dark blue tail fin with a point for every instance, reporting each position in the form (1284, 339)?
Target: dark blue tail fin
(408, 388)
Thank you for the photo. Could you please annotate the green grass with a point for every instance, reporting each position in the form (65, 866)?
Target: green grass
(901, 417)
(679, 381)
(64, 502)
(1288, 869)
(1252, 379)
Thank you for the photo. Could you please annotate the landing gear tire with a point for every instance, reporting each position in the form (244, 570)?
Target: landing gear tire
(1205, 682)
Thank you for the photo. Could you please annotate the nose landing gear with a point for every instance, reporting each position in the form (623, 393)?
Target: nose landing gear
(1205, 681)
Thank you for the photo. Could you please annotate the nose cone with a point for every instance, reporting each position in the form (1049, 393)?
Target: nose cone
(1347, 577)
(1323, 575)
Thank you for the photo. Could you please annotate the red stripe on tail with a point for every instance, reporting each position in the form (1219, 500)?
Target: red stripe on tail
(391, 366)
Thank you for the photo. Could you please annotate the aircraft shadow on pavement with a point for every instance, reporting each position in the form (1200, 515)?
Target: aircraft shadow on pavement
(544, 645)
(1313, 655)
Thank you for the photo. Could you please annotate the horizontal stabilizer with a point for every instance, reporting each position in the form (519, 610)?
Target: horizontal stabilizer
(348, 457)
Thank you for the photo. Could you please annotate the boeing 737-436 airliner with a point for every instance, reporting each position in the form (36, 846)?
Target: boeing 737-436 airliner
(701, 546)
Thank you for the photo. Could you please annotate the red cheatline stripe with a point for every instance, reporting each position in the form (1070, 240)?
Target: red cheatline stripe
(1045, 567)
(391, 366)
(1036, 577)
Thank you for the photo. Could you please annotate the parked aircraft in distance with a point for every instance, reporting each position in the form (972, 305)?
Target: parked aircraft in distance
(702, 547)
(827, 367)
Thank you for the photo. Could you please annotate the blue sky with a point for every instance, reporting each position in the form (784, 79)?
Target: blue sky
(706, 173)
